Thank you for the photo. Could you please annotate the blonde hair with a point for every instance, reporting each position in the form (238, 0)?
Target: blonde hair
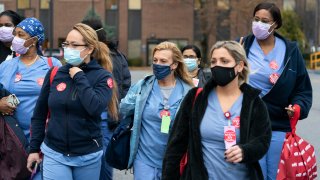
(181, 70)
(101, 54)
(238, 53)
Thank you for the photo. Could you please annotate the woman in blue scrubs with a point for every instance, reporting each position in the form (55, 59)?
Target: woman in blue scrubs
(24, 75)
(226, 129)
(278, 70)
(153, 102)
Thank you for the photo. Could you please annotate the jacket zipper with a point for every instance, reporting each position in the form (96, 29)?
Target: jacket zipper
(96, 142)
(67, 127)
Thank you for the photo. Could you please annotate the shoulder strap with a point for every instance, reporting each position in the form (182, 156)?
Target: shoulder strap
(53, 73)
(197, 93)
(49, 59)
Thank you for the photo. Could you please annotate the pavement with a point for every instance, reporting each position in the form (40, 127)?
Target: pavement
(307, 129)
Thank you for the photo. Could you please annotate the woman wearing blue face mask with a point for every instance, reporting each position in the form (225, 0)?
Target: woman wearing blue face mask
(24, 75)
(154, 102)
(79, 92)
(278, 70)
(192, 58)
(8, 21)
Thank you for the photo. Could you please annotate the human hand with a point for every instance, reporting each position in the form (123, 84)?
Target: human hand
(234, 154)
(73, 71)
(5, 107)
(290, 110)
(33, 157)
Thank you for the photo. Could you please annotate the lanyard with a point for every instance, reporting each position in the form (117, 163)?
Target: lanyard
(228, 117)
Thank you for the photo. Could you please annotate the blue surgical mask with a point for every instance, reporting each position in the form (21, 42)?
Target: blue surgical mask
(191, 64)
(72, 56)
(161, 71)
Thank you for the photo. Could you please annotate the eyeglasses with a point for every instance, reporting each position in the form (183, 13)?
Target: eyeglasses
(256, 19)
(73, 46)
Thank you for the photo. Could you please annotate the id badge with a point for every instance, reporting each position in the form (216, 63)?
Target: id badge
(165, 124)
(229, 136)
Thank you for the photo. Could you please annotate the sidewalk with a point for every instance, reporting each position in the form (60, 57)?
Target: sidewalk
(314, 71)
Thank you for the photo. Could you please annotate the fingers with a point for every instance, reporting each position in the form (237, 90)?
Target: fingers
(290, 110)
(34, 157)
(234, 154)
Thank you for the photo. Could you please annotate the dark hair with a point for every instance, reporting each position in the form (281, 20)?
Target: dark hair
(15, 17)
(274, 11)
(97, 25)
(194, 48)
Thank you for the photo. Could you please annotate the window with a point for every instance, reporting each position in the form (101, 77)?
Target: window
(135, 4)
(289, 4)
(224, 4)
(23, 4)
(111, 4)
(44, 4)
(112, 19)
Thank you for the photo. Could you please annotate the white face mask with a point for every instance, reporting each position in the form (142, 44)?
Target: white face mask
(6, 34)
(261, 30)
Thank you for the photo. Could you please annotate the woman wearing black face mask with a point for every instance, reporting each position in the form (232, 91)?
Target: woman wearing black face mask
(209, 123)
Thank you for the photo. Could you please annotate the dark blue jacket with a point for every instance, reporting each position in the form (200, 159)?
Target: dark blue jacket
(74, 125)
(292, 87)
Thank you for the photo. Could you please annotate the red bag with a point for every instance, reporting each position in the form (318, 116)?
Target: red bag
(297, 159)
(184, 159)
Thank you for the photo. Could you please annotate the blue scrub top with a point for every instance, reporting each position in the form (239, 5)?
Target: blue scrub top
(260, 69)
(152, 142)
(212, 139)
(28, 88)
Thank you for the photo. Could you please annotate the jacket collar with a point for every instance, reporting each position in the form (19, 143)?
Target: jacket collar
(290, 46)
(92, 65)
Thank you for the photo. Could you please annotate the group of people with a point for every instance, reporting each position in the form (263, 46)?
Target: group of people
(227, 121)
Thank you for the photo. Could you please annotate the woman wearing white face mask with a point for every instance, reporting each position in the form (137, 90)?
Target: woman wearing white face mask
(8, 21)
(24, 75)
(80, 91)
(192, 58)
(278, 70)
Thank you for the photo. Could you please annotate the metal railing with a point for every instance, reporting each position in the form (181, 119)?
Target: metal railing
(315, 60)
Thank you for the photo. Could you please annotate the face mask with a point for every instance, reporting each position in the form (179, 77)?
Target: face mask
(6, 34)
(191, 64)
(72, 56)
(223, 75)
(261, 30)
(18, 45)
(161, 71)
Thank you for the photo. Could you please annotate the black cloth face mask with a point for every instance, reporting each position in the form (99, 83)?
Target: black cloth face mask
(223, 75)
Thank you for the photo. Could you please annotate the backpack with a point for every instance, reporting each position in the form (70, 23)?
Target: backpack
(118, 149)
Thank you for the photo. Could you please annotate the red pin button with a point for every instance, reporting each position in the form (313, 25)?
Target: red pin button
(227, 115)
(274, 78)
(164, 113)
(18, 77)
(236, 122)
(273, 65)
(110, 82)
(61, 87)
(230, 136)
(40, 81)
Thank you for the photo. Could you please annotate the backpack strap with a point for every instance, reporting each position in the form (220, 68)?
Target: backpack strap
(53, 73)
(49, 59)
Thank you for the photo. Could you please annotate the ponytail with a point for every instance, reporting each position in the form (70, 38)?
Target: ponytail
(102, 55)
